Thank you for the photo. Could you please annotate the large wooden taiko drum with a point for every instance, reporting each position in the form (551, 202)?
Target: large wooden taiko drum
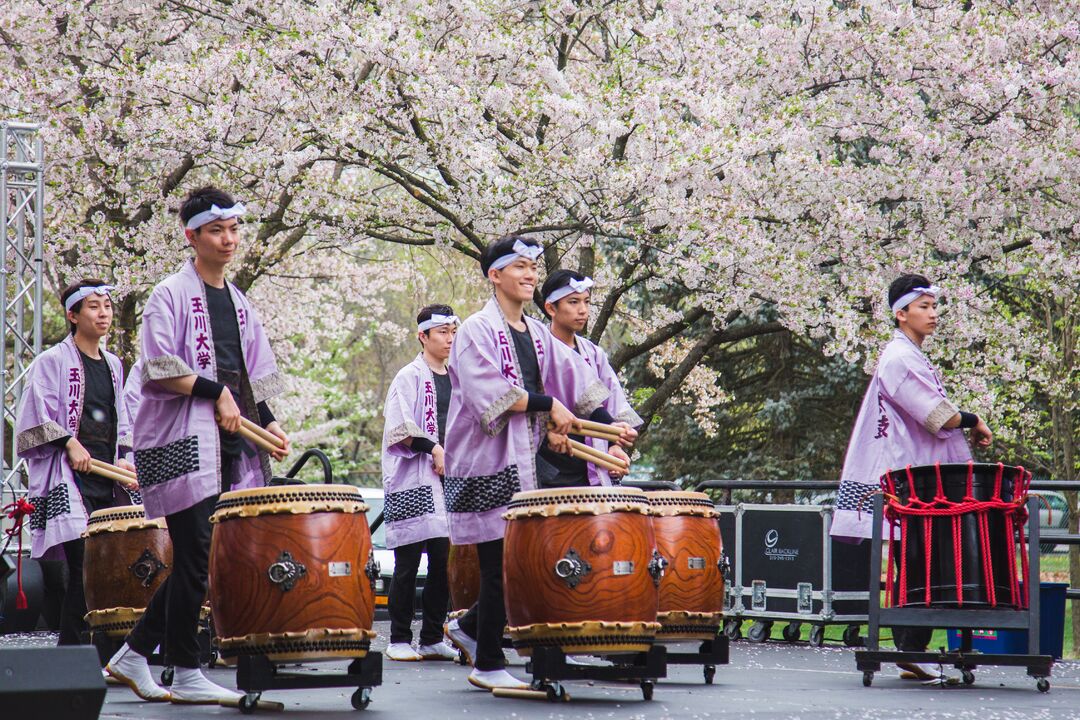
(127, 557)
(692, 588)
(463, 577)
(580, 571)
(292, 574)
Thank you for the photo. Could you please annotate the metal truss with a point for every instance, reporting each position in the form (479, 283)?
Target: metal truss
(22, 215)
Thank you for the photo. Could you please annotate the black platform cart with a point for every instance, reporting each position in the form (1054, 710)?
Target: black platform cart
(256, 674)
(710, 654)
(549, 668)
(1038, 666)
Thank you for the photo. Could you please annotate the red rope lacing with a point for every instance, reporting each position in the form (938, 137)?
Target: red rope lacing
(17, 511)
(897, 514)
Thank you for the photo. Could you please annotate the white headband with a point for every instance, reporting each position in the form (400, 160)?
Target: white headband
(916, 293)
(85, 292)
(439, 321)
(574, 286)
(215, 213)
(529, 252)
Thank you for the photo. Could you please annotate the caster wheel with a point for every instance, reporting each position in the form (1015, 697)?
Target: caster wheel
(867, 678)
(733, 629)
(647, 690)
(555, 693)
(361, 698)
(213, 659)
(759, 631)
(167, 676)
(792, 631)
(1043, 684)
(852, 637)
(817, 635)
(248, 703)
(968, 677)
(710, 673)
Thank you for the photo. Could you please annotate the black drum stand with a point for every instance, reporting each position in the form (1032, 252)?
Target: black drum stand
(710, 654)
(549, 669)
(1038, 666)
(255, 674)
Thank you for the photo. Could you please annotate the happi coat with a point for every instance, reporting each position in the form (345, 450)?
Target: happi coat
(177, 453)
(414, 508)
(491, 452)
(900, 423)
(51, 408)
(616, 404)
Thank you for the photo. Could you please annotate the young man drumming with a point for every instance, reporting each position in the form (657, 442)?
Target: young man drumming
(510, 376)
(567, 297)
(905, 419)
(204, 355)
(73, 412)
(413, 463)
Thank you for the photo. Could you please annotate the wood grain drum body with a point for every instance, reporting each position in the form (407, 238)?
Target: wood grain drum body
(580, 571)
(692, 589)
(463, 577)
(292, 574)
(127, 557)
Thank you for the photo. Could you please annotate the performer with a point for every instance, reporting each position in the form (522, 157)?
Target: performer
(905, 419)
(71, 412)
(509, 376)
(567, 297)
(414, 437)
(204, 353)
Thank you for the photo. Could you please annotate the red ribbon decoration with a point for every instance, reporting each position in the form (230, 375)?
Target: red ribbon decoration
(17, 512)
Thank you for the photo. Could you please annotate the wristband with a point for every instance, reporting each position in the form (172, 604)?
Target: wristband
(539, 403)
(265, 416)
(601, 415)
(206, 388)
(424, 445)
(968, 420)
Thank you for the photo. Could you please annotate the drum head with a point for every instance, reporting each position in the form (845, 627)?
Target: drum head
(680, 502)
(577, 501)
(121, 519)
(289, 499)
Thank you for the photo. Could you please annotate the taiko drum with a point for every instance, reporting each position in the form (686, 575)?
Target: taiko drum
(463, 577)
(127, 557)
(292, 574)
(580, 571)
(692, 588)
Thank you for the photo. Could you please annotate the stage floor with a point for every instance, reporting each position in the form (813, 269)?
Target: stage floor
(774, 681)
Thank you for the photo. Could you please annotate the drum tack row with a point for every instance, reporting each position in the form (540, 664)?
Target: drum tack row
(598, 571)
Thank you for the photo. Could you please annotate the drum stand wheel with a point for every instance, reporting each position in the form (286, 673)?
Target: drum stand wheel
(556, 692)
(867, 678)
(647, 689)
(1043, 685)
(249, 702)
(361, 698)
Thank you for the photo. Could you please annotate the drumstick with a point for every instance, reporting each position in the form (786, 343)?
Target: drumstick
(257, 439)
(111, 468)
(596, 461)
(598, 427)
(599, 454)
(261, 432)
(111, 472)
(578, 430)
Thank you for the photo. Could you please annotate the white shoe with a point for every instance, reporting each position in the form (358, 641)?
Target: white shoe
(491, 679)
(461, 640)
(191, 687)
(131, 668)
(438, 651)
(402, 652)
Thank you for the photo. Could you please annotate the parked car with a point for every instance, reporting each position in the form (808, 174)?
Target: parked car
(375, 498)
(1053, 517)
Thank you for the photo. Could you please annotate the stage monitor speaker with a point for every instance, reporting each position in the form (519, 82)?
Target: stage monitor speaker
(57, 683)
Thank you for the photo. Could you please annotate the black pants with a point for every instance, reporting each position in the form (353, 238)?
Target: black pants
(172, 617)
(486, 620)
(435, 597)
(73, 608)
(908, 639)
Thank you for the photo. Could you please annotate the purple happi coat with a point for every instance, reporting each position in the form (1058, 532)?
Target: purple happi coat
(133, 390)
(617, 405)
(51, 408)
(415, 509)
(491, 451)
(899, 424)
(177, 451)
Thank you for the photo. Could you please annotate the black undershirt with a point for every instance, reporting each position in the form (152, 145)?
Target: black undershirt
(552, 469)
(442, 402)
(227, 354)
(97, 425)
